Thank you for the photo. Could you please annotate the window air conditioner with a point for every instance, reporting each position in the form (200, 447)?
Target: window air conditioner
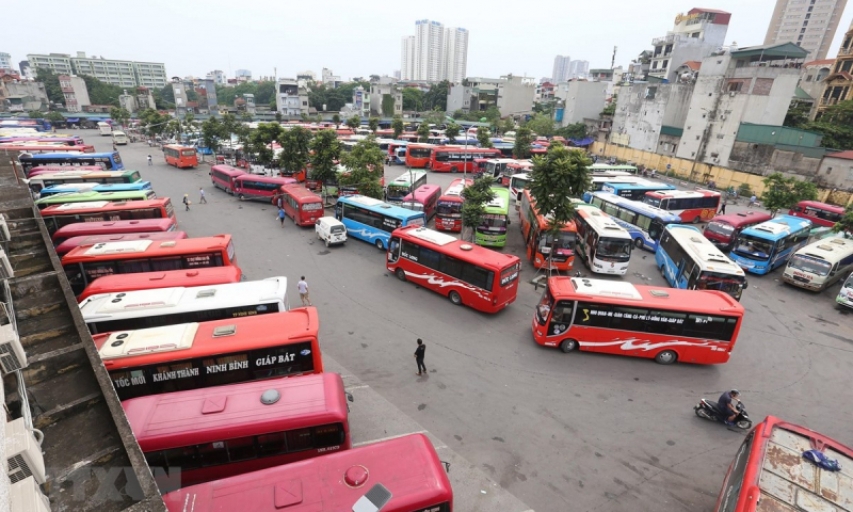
(26, 496)
(6, 270)
(4, 229)
(12, 355)
(23, 453)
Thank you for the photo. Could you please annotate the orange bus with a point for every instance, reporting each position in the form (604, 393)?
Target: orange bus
(539, 242)
(60, 215)
(300, 204)
(180, 156)
(418, 155)
(458, 158)
(448, 213)
(223, 176)
(89, 262)
(168, 279)
(205, 354)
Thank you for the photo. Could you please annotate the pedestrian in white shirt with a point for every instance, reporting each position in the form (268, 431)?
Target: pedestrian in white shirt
(302, 286)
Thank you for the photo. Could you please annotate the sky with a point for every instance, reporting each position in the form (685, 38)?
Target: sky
(362, 38)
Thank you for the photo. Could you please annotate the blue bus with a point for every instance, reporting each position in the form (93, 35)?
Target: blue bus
(95, 187)
(644, 223)
(505, 148)
(372, 220)
(107, 161)
(635, 191)
(763, 247)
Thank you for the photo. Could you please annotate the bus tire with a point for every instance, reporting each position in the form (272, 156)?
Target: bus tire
(400, 273)
(638, 243)
(454, 170)
(455, 298)
(697, 219)
(240, 196)
(379, 245)
(666, 357)
(569, 345)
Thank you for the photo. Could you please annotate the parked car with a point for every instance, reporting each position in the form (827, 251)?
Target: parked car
(330, 230)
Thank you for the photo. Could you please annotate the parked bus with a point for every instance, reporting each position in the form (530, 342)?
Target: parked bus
(372, 220)
(723, 230)
(602, 244)
(615, 317)
(105, 129)
(120, 138)
(60, 215)
(820, 214)
(50, 179)
(514, 169)
(397, 152)
(820, 264)
(223, 176)
(519, 183)
(33, 148)
(762, 248)
(143, 309)
(539, 241)
(634, 191)
(506, 149)
(93, 196)
(411, 475)
(845, 295)
(300, 204)
(259, 188)
(418, 155)
(66, 188)
(479, 278)
(493, 228)
(458, 158)
(200, 355)
(256, 425)
(423, 199)
(77, 241)
(106, 161)
(45, 137)
(643, 222)
(603, 168)
(769, 470)
(404, 185)
(494, 167)
(599, 180)
(79, 229)
(86, 263)
(687, 260)
(180, 156)
(448, 212)
(692, 206)
(48, 169)
(168, 279)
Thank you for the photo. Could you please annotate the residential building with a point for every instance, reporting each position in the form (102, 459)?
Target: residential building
(544, 91)
(838, 85)
(26, 70)
(578, 69)
(19, 96)
(244, 74)
(249, 103)
(116, 72)
(562, 67)
(811, 85)
(434, 53)
(651, 116)
(386, 89)
(290, 100)
(75, 92)
(836, 170)
(455, 54)
(687, 72)
(206, 90)
(512, 95)
(218, 76)
(59, 63)
(602, 75)
(694, 36)
(407, 58)
(123, 73)
(360, 102)
(5, 61)
(397, 74)
(429, 50)
(811, 25)
(580, 100)
(330, 79)
(179, 90)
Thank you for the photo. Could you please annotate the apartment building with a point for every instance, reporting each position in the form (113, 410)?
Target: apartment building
(75, 92)
(123, 73)
(434, 53)
(811, 24)
(694, 36)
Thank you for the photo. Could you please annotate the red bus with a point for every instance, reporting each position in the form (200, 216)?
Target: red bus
(468, 274)
(458, 158)
(223, 176)
(89, 262)
(723, 230)
(60, 215)
(180, 156)
(65, 141)
(300, 204)
(539, 242)
(300, 176)
(423, 199)
(205, 354)
(218, 432)
(821, 214)
(253, 186)
(448, 215)
(513, 168)
(34, 149)
(112, 228)
(75, 242)
(480, 166)
(418, 155)
(410, 136)
(769, 472)
(50, 169)
(692, 206)
(616, 317)
(405, 468)
(168, 279)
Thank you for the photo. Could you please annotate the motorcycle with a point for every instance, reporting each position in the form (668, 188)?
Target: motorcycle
(707, 409)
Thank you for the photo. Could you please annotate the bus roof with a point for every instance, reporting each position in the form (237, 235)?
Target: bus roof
(822, 206)
(379, 206)
(699, 192)
(265, 179)
(211, 414)
(601, 222)
(150, 280)
(178, 146)
(704, 253)
(76, 241)
(601, 166)
(74, 208)
(829, 249)
(457, 186)
(423, 192)
(653, 296)
(637, 206)
(135, 249)
(742, 218)
(92, 196)
(651, 186)
(500, 203)
(778, 227)
(114, 226)
(47, 156)
(407, 466)
(408, 177)
(300, 192)
(459, 249)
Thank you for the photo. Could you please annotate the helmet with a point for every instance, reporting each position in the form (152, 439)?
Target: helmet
(734, 392)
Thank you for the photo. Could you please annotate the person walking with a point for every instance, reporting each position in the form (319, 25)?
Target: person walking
(302, 286)
(186, 202)
(149, 160)
(753, 201)
(419, 356)
(201, 197)
(281, 217)
(723, 205)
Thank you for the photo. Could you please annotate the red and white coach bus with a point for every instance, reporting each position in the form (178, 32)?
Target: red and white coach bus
(200, 355)
(423, 199)
(614, 317)
(300, 204)
(418, 155)
(448, 213)
(77, 241)
(821, 214)
(403, 474)
(468, 274)
(458, 158)
(116, 227)
(692, 206)
(222, 176)
(195, 436)
(168, 279)
(59, 215)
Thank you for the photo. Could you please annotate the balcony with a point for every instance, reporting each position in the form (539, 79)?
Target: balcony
(667, 39)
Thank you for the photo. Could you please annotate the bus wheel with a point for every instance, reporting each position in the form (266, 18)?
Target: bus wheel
(401, 274)
(240, 196)
(379, 245)
(697, 219)
(454, 170)
(569, 345)
(455, 298)
(666, 357)
(638, 243)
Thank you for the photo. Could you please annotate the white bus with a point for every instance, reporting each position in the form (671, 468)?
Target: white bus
(120, 138)
(602, 244)
(105, 128)
(142, 309)
(818, 265)
(517, 184)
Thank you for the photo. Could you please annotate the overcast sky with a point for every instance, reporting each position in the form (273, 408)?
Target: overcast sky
(357, 38)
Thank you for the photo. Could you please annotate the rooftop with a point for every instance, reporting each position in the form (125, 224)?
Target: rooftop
(844, 155)
(824, 62)
(693, 64)
(771, 51)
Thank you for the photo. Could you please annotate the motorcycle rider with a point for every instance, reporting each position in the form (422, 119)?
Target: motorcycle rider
(726, 406)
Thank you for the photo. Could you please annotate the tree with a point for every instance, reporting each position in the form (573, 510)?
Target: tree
(388, 105)
(423, 132)
(541, 124)
(846, 223)
(336, 119)
(476, 197)
(365, 164)
(173, 128)
(373, 124)
(413, 99)
(397, 126)
(610, 109)
(492, 115)
(484, 137)
(781, 193)
(523, 139)
(835, 123)
(507, 125)
(212, 133)
(229, 125)
(576, 131)
(452, 131)
(120, 115)
(153, 122)
(51, 85)
(435, 117)
(798, 114)
(436, 97)
(325, 153)
(261, 139)
(54, 117)
(295, 149)
(246, 117)
(354, 122)
(190, 125)
(35, 114)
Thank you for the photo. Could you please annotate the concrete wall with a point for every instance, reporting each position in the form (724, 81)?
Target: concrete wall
(583, 100)
(642, 109)
(458, 98)
(837, 173)
(515, 96)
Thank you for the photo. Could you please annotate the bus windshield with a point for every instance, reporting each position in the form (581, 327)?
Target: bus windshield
(564, 241)
(618, 249)
(449, 208)
(719, 228)
(810, 265)
(754, 247)
(727, 283)
(494, 222)
(544, 308)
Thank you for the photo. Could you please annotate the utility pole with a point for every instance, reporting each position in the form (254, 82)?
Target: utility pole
(613, 60)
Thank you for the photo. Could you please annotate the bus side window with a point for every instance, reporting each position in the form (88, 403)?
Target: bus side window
(394, 249)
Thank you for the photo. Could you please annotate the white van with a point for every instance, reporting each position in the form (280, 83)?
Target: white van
(120, 138)
(104, 128)
(330, 230)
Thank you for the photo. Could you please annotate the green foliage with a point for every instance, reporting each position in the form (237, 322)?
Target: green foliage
(835, 124)
(556, 178)
(190, 125)
(153, 122)
(436, 117)
(452, 131)
(102, 93)
(436, 97)
(212, 133)
(846, 222)
(544, 107)
(575, 131)
(413, 99)
(476, 197)
(337, 120)
(484, 137)
(387, 105)
(54, 117)
(492, 115)
(264, 92)
(507, 125)
(744, 190)
(798, 114)
(262, 138)
(229, 125)
(541, 124)
(172, 128)
(119, 115)
(365, 163)
(373, 124)
(246, 117)
(164, 98)
(35, 114)
(397, 126)
(354, 122)
(781, 193)
(325, 152)
(294, 149)
(610, 109)
(423, 132)
(51, 85)
(523, 139)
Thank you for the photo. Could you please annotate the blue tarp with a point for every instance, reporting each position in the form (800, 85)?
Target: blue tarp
(582, 142)
(72, 120)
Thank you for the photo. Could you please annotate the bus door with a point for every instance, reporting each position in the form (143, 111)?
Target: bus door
(562, 318)
(693, 278)
(679, 272)
(394, 249)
